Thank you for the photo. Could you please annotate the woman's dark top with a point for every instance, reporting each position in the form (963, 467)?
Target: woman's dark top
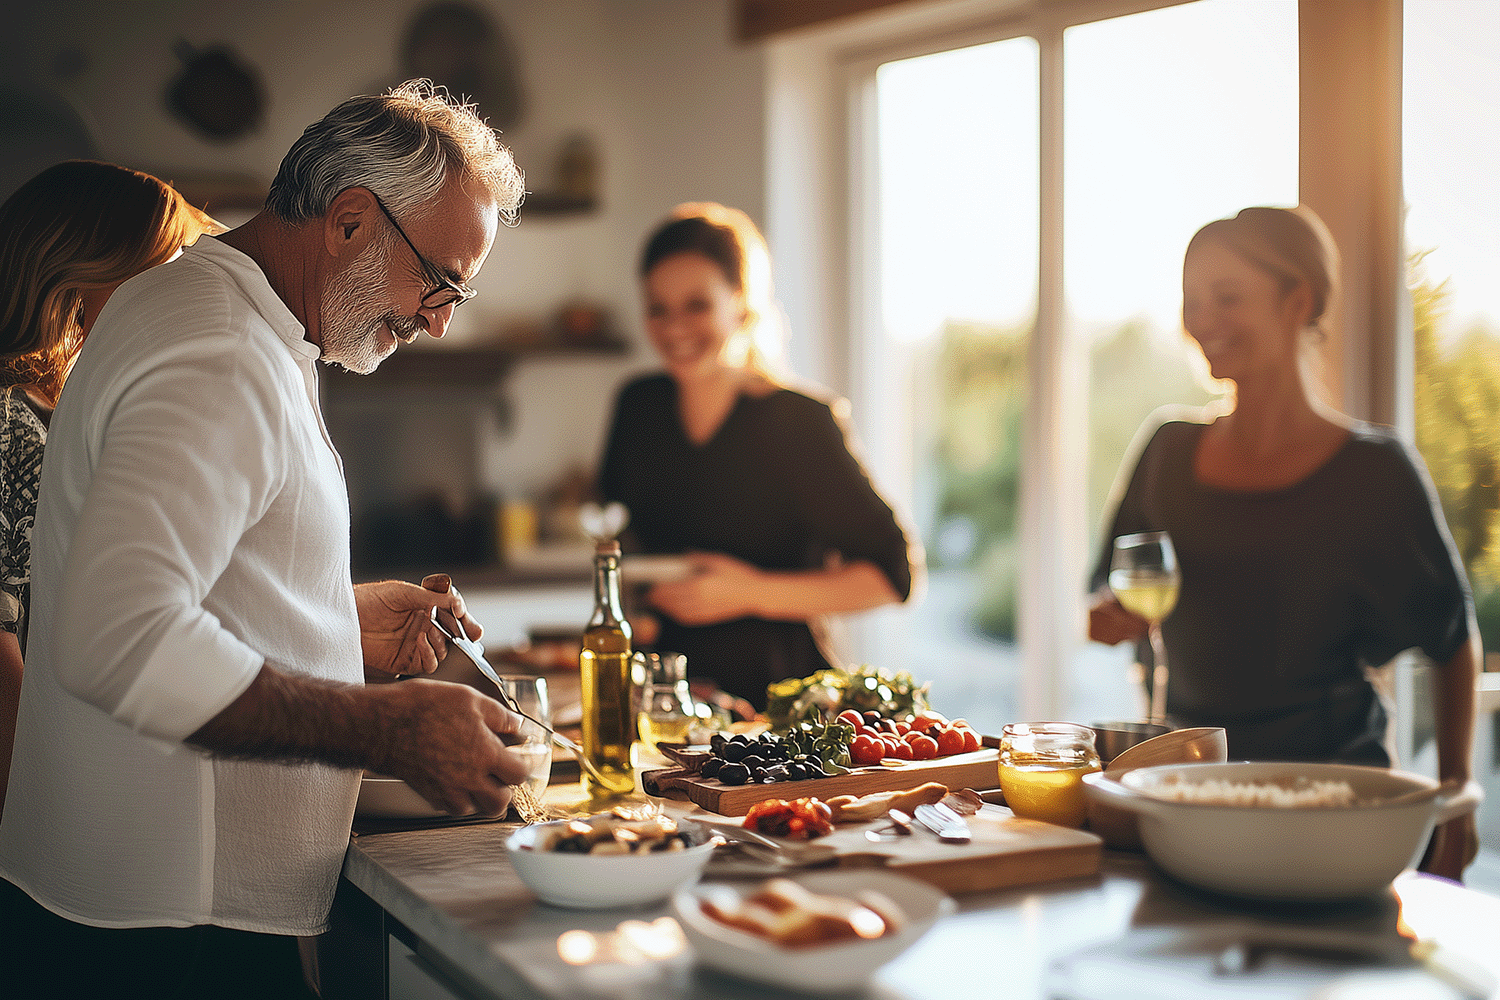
(1287, 593)
(777, 486)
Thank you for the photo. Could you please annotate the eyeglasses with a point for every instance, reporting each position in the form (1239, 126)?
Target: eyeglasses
(448, 292)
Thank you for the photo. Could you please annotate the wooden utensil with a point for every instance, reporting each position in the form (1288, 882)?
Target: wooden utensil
(1120, 827)
(1206, 744)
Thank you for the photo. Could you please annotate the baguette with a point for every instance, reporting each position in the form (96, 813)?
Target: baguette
(860, 808)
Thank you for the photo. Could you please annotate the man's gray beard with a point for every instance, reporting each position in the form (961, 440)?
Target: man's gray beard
(351, 336)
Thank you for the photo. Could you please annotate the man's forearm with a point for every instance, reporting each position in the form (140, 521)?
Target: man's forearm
(294, 719)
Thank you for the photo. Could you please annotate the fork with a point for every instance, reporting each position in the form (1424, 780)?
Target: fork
(475, 653)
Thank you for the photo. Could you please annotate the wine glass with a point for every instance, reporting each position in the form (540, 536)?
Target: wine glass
(1144, 577)
(529, 693)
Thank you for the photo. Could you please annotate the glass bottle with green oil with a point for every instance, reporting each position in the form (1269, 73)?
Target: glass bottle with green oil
(609, 725)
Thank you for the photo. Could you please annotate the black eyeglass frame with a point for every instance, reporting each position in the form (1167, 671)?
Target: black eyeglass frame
(448, 291)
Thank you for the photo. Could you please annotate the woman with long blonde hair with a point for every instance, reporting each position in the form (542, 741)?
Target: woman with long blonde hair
(68, 238)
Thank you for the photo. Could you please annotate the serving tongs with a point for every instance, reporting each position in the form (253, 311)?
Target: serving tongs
(475, 652)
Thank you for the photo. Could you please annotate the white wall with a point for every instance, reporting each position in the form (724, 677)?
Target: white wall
(673, 102)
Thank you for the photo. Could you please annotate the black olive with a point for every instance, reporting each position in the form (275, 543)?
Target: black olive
(711, 767)
(772, 775)
(740, 738)
(753, 760)
(734, 774)
(716, 742)
(734, 752)
(573, 845)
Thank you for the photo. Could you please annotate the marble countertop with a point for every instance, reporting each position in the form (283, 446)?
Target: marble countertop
(1127, 931)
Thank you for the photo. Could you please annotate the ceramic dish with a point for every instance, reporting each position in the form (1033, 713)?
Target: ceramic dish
(391, 798)
(595, 881)
(654, 568)
(816, 968)
(1285, 852)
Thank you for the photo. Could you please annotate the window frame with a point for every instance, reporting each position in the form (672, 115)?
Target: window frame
(822, 216)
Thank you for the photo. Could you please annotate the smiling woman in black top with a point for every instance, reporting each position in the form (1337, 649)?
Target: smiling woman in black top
(754, 481)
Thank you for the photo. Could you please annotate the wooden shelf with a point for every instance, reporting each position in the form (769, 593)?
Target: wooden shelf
(556, 203)
(455, 369)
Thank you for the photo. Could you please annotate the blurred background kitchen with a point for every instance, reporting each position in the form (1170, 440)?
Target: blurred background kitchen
(977, 210)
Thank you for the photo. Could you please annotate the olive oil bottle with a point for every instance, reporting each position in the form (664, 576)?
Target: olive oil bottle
(604, 662)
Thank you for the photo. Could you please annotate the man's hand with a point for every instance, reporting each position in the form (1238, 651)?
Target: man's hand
(396, 633)
(449, 744)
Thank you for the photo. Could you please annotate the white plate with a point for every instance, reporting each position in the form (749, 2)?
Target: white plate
(654, 569)
(391, 798)
(818, 968)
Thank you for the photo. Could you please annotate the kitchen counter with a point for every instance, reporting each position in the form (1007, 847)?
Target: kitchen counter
(439, 913)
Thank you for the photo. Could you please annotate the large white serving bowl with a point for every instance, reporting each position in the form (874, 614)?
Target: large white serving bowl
(1287, 853)
(830, 968)
(602, 881)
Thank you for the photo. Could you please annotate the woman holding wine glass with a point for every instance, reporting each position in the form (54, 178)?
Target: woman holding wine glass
(1310, 545)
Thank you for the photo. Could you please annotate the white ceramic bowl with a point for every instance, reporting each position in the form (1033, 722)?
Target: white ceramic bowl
(391, 798)
(1286, 853)
(601, 881)
(817, 968)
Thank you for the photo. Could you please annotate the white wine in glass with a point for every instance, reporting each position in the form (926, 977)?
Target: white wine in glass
(1144, 577)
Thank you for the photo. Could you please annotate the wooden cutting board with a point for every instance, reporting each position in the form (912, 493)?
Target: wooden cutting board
(1005, 851)
(979, 769)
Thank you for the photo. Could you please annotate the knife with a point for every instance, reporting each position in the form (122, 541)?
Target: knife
(950, 827)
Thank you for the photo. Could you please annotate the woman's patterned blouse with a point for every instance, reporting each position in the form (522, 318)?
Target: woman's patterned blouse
(21, 439)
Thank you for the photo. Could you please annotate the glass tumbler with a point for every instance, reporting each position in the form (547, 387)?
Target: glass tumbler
(530, 695)
(666, 712)
(1042, 765)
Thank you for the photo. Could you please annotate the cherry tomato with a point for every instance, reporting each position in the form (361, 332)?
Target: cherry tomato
(893, 745)
(902, 728)
(972, 741)
(926, 719)
(850, 717)
(865, 750)
(903, 751)
(924, 748)
(912, 735)
(949, 741)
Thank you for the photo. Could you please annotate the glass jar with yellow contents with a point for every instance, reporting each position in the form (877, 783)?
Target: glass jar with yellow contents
(1042, 765)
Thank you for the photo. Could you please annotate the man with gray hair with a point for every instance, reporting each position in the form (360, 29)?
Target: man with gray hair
(194, 714)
